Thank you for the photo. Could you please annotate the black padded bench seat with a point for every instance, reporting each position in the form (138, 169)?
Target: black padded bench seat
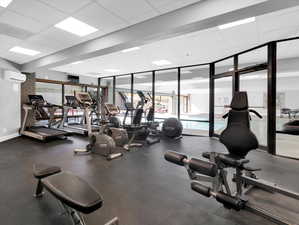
(74, 192)
(43, 170)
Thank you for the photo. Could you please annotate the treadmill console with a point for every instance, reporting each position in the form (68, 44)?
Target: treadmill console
(111, 109)
(83, 97)
(36, 99)
(71, 101)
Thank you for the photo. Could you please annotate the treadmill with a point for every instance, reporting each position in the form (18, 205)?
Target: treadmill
(83, 101)
(36, 108)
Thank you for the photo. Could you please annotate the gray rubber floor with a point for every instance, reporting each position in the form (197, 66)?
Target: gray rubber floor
(140, 188)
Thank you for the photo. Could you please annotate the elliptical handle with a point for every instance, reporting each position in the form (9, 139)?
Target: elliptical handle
(225, 115)
(256, 113)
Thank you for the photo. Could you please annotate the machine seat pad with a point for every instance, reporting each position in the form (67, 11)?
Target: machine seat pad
(74, 192)
(227, 159)
(43, 170)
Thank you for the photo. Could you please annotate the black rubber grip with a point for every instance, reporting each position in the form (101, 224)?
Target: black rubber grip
(175, 158)
(203, 167)
(201, 189)
(230, 201)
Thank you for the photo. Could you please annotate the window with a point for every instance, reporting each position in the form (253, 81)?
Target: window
(194, 100)
(166, 96)
(223, 97)
(107, 84)
(287, 103)
(123, 85)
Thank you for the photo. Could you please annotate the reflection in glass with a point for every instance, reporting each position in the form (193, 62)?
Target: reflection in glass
(194, 100)
(223, 97)
(256, 86)
(287, 103)
(107, 84)
(166, 96)
(123, 85)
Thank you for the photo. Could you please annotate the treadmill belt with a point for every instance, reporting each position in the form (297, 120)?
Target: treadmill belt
(276, 204)
(47, 131)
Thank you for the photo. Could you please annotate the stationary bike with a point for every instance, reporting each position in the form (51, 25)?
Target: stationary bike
(256, 195)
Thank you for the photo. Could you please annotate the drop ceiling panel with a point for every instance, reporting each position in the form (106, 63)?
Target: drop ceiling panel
(17, 20)
(19, 58)
(2, 10)
(40, 45)
(67, 6)
(62, 36)
(95, 15)
(236, 36)
(8, 42)
(133, 11)
(37, 10)
(278, 20)
(278, 34)
(172, 5)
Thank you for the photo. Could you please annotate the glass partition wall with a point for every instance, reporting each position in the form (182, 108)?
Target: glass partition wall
(200, 94)
(223, 91)
(54, 92)
(195, 100)
(166, 94)
(108, 92)
(123, 85)
(287, 103)
(143, 82)
(253, 80)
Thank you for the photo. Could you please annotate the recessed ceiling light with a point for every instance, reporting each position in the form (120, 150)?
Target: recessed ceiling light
(5, 3)
(111, 70)
(75, 26)
(77, 62)
(161, 62)
(236, 23)
(130, 49)
(24, 51)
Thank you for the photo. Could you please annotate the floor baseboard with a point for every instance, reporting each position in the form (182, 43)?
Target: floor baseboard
(8, 137)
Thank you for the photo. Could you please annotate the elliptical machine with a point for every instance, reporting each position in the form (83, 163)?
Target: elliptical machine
(264, 198)
(99, 142)
(153, 136)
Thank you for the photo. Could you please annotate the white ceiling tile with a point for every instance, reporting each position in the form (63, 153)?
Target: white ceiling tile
(37, 10)
(8, 42)
(18, 58)
(133, 11)
(167, 5)
(278, 20)
(58, 38)
(20, 21)
(95, 15)
(2, 10)
(241, 34)
(278, 34)
(42, 43)
(96, 34)
(67, 6)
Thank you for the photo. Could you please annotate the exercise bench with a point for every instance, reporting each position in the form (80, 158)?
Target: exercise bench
(76, 196)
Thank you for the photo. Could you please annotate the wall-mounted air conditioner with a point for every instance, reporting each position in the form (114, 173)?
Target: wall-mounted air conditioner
(14, 76)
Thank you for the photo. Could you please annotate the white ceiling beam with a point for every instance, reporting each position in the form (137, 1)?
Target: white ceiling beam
(199, 16)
